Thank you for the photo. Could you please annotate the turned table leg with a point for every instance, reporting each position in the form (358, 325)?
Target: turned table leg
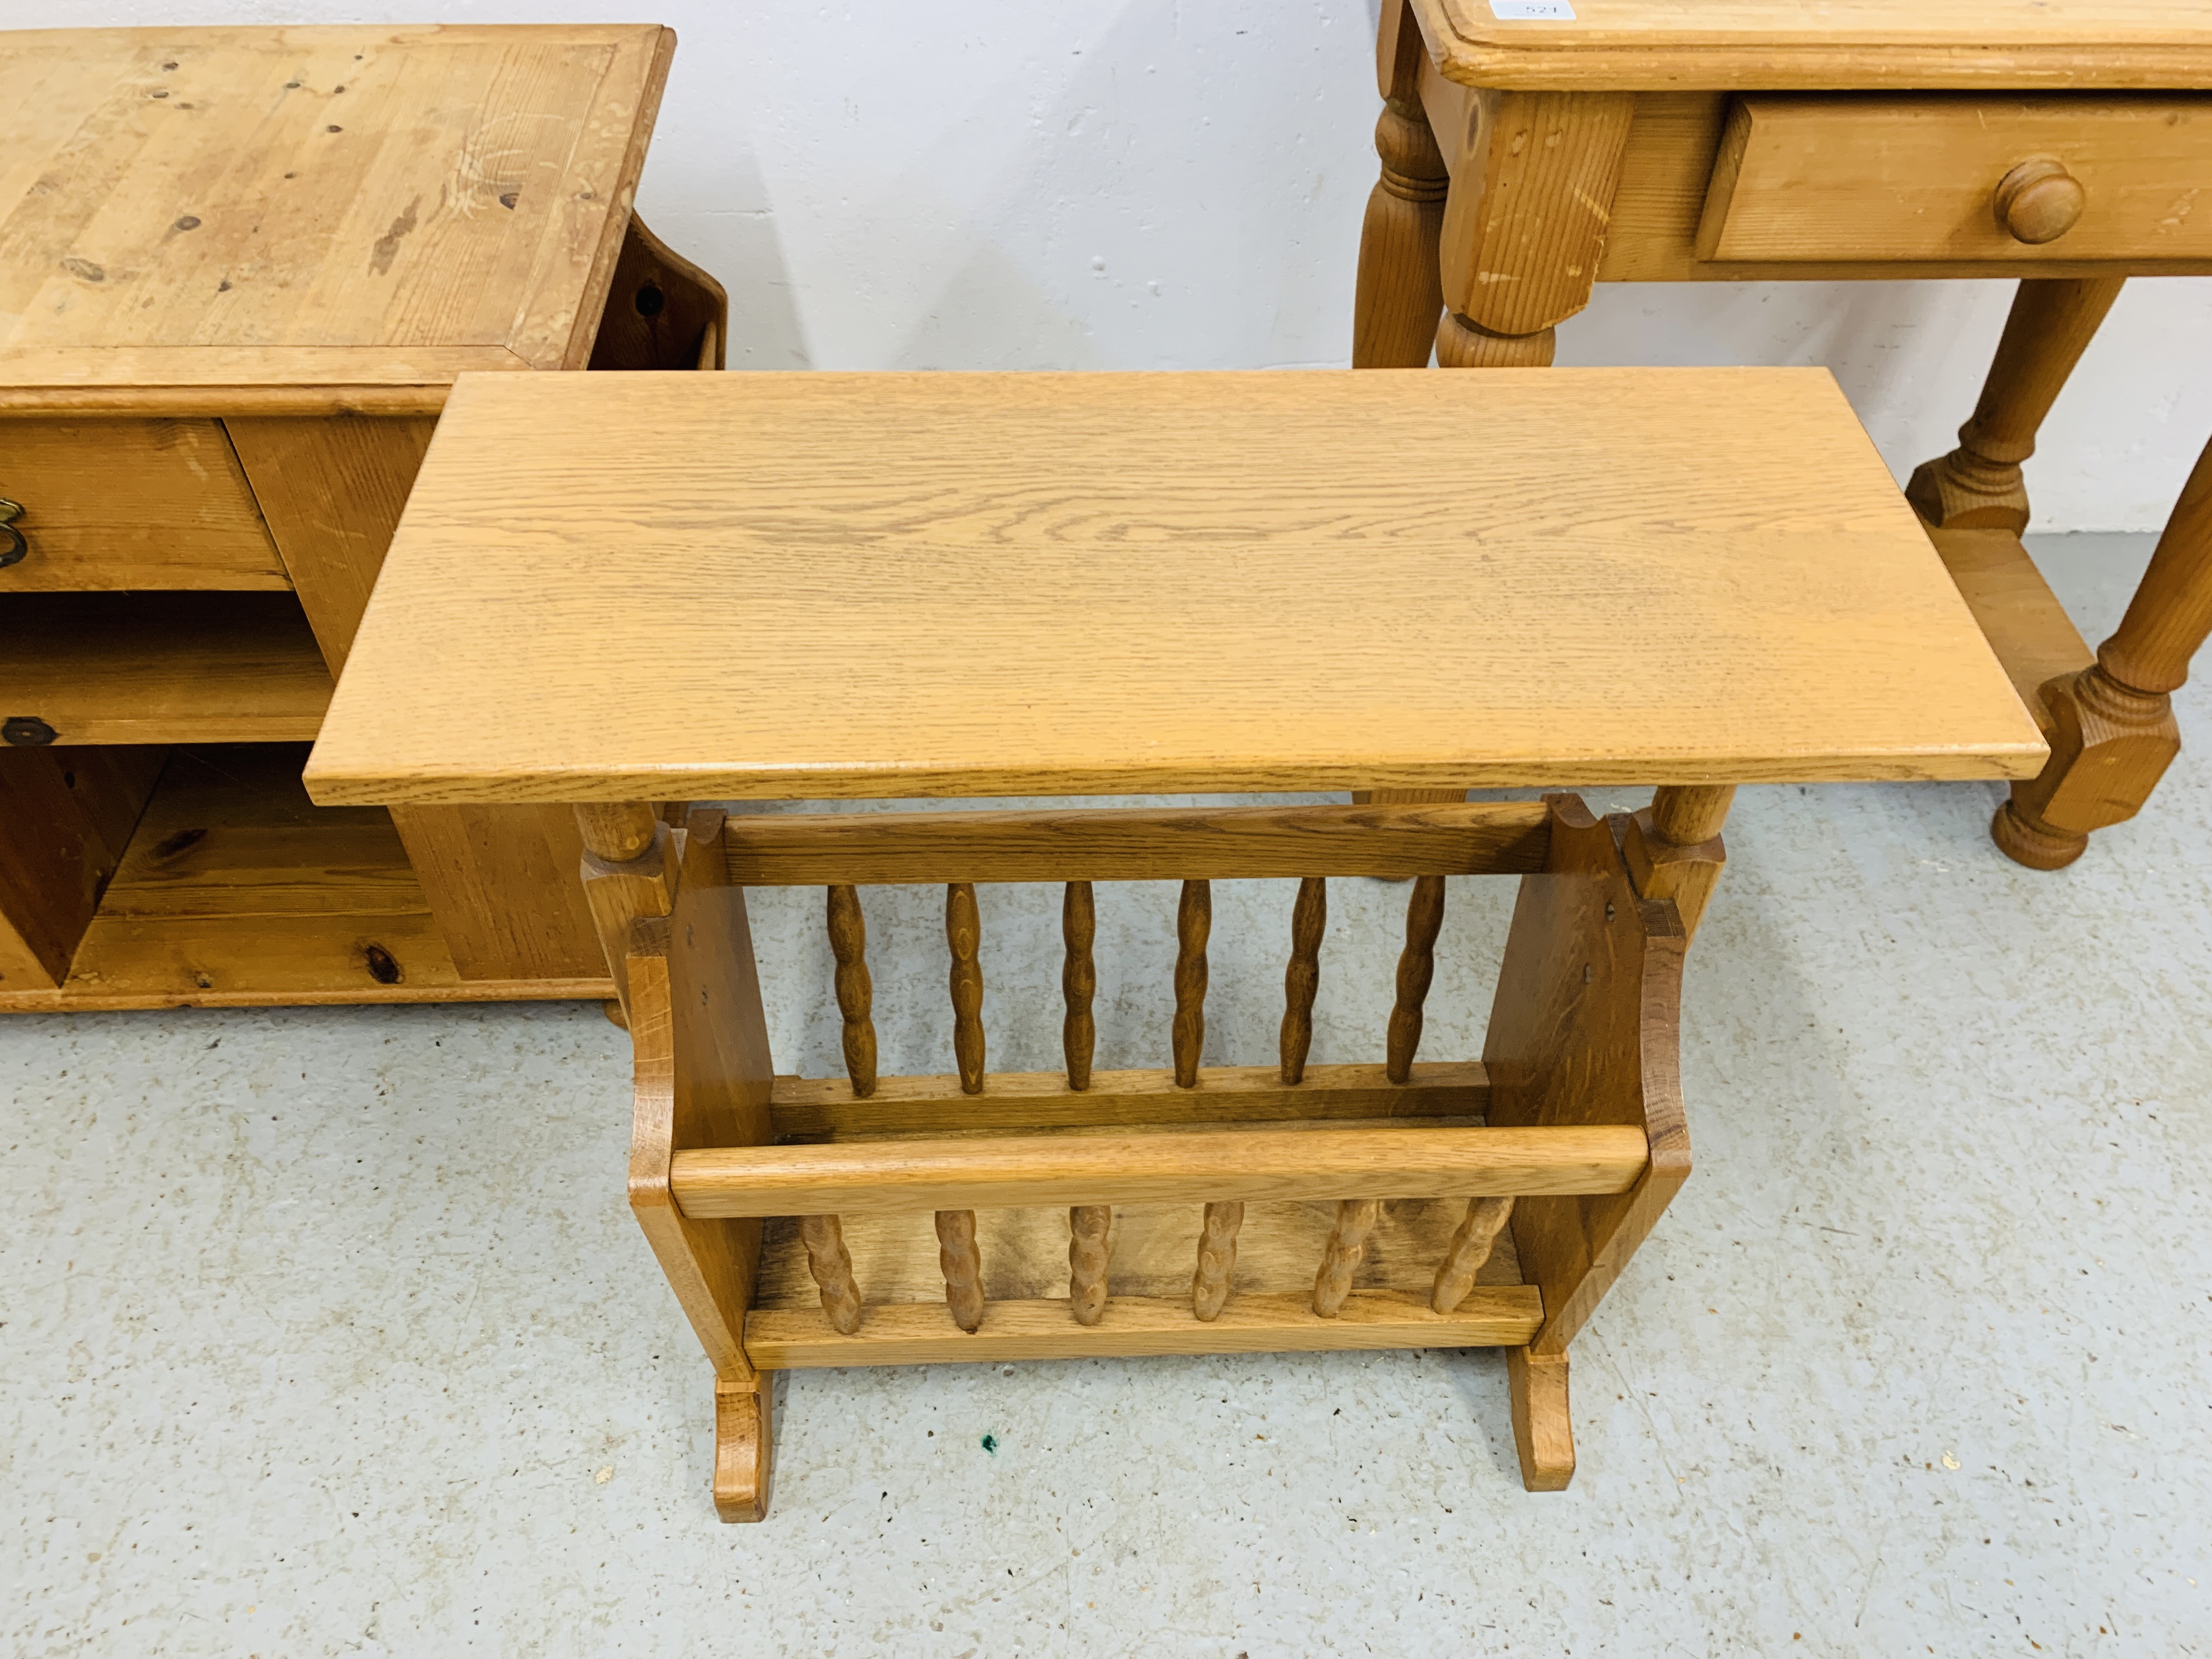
(629, 873)
(1400, 292)
(2112, 733)
(1978, 486)
(1674, 849)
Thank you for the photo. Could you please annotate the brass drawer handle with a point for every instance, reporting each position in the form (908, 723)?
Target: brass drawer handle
(13, 549)
(2039, 201)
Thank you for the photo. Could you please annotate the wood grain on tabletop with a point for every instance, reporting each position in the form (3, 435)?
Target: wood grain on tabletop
(171, 199)
(1095, 583)
(1627, 45)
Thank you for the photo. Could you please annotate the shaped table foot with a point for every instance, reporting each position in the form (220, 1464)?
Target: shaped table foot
(1541, 1429)
(743, 1441)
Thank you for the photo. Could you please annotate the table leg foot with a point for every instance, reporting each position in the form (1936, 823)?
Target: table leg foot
(2038, 845)
(2109, 745)
(743, 1440)
(1542, 1433)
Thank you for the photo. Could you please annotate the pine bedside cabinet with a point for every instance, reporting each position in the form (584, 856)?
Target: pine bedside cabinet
(238, 270)
(1531, 147)
(809, 586)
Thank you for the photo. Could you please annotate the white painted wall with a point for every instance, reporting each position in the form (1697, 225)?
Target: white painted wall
(1178, 183)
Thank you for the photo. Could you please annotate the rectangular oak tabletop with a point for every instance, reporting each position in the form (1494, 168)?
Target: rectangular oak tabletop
(795, 585)
(1623, 45)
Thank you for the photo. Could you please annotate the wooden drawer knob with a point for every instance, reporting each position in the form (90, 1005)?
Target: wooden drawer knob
(12, 547)
(2039, 201)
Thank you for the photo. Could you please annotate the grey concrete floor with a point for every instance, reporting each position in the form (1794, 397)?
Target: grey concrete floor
(329, 1332)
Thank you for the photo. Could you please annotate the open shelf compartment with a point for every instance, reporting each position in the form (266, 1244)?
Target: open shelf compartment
(231, 889)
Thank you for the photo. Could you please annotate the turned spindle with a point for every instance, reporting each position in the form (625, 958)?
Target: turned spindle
(1089, 1245)
(831, 1264)
(1079, 981)
(962, 1265)
(1470, 1247)
(848, 943)
(1193, 921)
(1339, 1257)
(1301, 979)
(1216, 1259)
(963, 931)
(1417, 967)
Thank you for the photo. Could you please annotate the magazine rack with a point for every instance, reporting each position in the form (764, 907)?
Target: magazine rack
(758, 588)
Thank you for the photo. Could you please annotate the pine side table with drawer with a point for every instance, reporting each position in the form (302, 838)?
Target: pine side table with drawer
(1011, 585)
(1532, 148)
(240, 269)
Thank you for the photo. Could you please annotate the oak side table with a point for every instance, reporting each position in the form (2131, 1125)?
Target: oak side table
(1531, 147)
(240, 269)
(992, 585)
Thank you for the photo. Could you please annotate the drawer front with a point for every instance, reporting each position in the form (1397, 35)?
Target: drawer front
(128, 504)
(1934, 176)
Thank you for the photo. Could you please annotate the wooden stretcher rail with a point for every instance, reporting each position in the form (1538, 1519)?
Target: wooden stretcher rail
(1042, 1100)
(1471, 838)
(919, 1333)
(881, 1176)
